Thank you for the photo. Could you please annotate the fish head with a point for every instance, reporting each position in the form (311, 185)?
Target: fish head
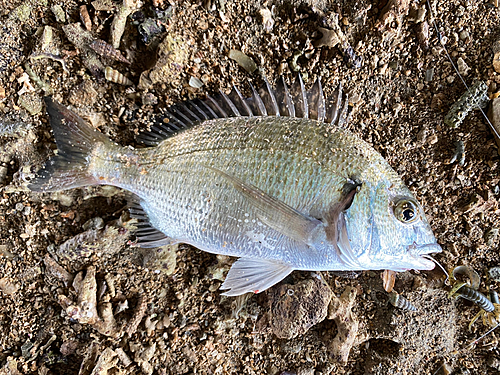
(387, 229)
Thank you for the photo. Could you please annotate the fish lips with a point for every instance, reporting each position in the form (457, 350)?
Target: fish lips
(421, 255)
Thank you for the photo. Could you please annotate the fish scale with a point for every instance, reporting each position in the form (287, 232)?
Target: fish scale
(282, 193)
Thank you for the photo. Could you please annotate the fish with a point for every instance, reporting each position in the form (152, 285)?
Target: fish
(274, 179)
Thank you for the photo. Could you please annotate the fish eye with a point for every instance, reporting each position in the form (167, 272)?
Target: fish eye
(406, 211)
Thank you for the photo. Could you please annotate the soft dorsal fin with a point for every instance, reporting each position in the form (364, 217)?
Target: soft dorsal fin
(295, 101)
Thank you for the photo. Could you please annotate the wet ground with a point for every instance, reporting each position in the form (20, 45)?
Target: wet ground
(76, 298)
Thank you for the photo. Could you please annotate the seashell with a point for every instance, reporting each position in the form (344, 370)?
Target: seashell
(107, 50)
(115, 76)
(388, 279)
(401, 302)
(195, 82)
(470, 273)
(85, 18)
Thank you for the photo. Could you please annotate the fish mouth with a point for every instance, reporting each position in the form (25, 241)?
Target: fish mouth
(421, 255)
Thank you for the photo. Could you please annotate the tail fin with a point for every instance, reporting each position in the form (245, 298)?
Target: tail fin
(75, 141)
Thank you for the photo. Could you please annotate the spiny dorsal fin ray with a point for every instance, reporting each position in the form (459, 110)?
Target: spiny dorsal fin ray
(316, 102)
(284, 101)
(240, 102)
(256, 103)
(269, 99)
(284, 98)
(299, 95)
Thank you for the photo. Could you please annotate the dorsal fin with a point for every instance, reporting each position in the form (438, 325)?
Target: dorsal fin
(295, 101)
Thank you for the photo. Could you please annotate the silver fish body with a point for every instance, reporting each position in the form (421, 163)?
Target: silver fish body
(281, 193)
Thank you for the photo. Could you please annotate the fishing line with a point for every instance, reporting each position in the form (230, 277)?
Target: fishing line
(427, 256)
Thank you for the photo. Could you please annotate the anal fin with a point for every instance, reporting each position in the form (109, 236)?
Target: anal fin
(146, 235)
(254, 275)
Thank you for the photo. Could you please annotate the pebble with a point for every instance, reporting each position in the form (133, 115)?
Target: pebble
(243, 60)
(31, 102)
(429, 75)
(172, 57)
(162, 259)
(296, 308)
(267, 19)
(494, 117)
(433, 139)
(493, 363)
(422, 135)
(421, 14)
(463, 68)
(491, 236)
(8, 286)
(494, 273)
(195, 82)
(464, 34)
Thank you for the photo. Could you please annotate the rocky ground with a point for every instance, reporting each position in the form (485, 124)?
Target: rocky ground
(77, 299)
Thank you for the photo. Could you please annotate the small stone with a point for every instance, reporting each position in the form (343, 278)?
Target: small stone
(243, 60)
(422, 135)
(476, 96)
(433, 139)
(83, 94)
(496, 62)
(494, 363)
(161, 259)
(463, 68)
(494, 273)
(293, 309)
(148, 98)
(58, 13)
(8, 286)
(420, 14)
(494, 116)
(172, 57)
(491, 237)
(464, 35)
(195, 82)
(429, 74)
(267, 19)
(31, 102)
(329, 38)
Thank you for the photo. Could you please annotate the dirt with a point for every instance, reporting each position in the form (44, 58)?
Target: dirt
(162, 312)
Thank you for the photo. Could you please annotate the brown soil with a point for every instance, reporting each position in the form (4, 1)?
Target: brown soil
(184, 325)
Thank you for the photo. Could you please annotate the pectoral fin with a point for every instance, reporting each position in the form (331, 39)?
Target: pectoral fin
(275, 213)
(254, 275)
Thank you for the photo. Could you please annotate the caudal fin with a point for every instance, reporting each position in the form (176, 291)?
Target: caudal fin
(75, 141)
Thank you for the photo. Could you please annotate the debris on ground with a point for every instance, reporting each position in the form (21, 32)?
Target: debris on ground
(340, 311)
(294, 309)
